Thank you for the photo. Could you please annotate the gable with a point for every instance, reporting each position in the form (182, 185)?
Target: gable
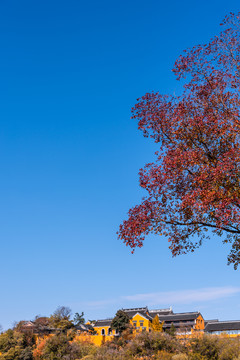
(140, 317)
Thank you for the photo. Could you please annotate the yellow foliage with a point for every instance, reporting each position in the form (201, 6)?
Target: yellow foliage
(156, 325)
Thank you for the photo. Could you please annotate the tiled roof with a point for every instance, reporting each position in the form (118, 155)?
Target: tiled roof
(136, 309)
(155, 312)
(131, 314)
(179, 317)
(27, 323)
(178, 324)
(84, 327)
(209, 321)
(133, 311)
(222, 326)
(105, 322)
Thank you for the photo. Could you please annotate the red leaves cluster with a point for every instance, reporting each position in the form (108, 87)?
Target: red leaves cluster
(194, 184)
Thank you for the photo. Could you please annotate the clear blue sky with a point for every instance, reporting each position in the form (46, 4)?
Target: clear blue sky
(69, 158)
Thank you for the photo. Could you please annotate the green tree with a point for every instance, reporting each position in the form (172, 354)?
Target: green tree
(58, 347)
(78, 319)
(172, 330)
(15, 346)
(60, 319)
(206, 346)
(120, 321)
(26, 354)
(7, 340)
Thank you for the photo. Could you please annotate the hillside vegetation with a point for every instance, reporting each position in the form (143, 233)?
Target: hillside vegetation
(17, 345)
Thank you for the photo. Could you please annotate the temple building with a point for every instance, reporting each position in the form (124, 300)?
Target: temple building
(230, 328)
(141, 318)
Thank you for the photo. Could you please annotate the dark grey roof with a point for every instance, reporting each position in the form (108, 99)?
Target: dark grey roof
(84, 327)
(133, 311)
(179, 317)
(222, 326)
(210, 321)
(155, 312)
(145, 308)
(178, 324)
(105, 322)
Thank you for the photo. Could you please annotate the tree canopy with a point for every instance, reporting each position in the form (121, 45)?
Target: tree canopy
(79, 319)
(156, 325)
(60, 319)
(193, 185)
(120, 321)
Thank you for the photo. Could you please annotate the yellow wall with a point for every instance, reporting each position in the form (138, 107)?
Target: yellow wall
(199, 323)
(98, 329)
(94, 339)
(226, 335)
(100, 339)
(141, 322)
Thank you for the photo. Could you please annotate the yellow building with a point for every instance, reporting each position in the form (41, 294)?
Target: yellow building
(229, 328)
(103, 327)
(186, 323)
(141, 318)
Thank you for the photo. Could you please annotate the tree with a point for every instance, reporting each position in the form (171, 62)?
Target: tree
(60, 319)
(15, 345)
(78, 319)
(156, 325)
(194, 184)
(120, 321)
(172, 330)
(59, 347)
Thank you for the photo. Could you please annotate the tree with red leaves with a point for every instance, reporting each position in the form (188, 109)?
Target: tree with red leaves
(194, 184)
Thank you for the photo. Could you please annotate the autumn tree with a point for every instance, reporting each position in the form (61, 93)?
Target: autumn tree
(61, 318)
(59, 347)
(156, 325)
(15, 345)
(193, 185)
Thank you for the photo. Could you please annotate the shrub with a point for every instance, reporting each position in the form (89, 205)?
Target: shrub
(229, 349)
(206, 346)
(180, 357)
(163, 355)
(151, 343)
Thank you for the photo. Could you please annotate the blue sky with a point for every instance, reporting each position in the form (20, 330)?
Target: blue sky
(70, 154)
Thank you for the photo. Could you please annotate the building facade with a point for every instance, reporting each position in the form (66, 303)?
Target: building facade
(229, 328)
(141, 319)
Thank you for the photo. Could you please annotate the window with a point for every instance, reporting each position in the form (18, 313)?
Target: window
(109, 331)
(103, 332)
(135, 324)
(141, 323)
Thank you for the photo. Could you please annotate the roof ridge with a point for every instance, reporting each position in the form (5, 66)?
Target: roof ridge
(136, 309)
(188, 312)
(154, 310)
(223, 321)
